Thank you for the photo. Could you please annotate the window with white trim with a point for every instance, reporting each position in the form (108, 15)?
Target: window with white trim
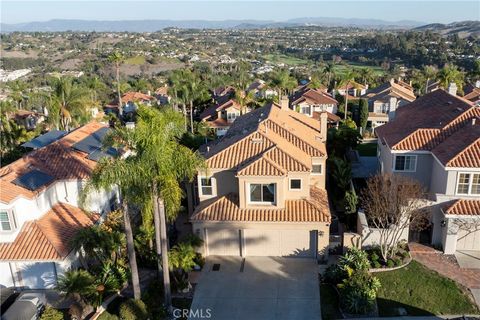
(295, 184)
(305, 110)
(406, 163)
(468, 183)
(262, 193)
(317, 168)
(206, 186)
(5, 223)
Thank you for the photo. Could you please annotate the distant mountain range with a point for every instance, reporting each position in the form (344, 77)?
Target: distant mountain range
(155, 25)
(463, 28)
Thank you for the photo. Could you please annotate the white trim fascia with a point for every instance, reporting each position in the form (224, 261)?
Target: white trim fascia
(461, 216)
(411, 151)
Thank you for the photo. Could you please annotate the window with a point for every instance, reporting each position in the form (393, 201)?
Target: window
(295, 184)
(231, 116)
(5, 221)
(305, 110)
(206, 186)
(405, 163)
(317, 168)
(262, 193)
(468, 183)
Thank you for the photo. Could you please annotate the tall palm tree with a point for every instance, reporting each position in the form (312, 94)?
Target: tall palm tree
(430, 73)
(450, 74)
(283, 82)
(243, 99)
(347, 79)
(117, 59)
(367, 75)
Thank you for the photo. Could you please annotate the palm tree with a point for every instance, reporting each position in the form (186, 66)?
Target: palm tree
(117, 58)
(367, 75)
(243, 99)
(70, 101)
(347, 78)
(450, 74)
(283, 83)
(329, 71)
(430, 72)
(77, 284)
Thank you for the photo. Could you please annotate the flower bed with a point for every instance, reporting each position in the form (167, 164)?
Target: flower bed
(377, 263)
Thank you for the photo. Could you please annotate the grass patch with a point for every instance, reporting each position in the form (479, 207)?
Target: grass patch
(343, 68)
(367, 149)
(288, 60)
(137, 60)
(329, 302)
(421, 292)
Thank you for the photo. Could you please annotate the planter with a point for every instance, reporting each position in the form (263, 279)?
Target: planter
(374, 270)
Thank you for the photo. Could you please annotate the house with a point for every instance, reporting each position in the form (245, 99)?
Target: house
(40, 210)
(263, 193)
(260, 90)
(28, 119)
(436, 140)
(220, 117)
(353, 88)
(131, 100)
(384, 100)
(162, 95)
(472, 93)
(307, 101)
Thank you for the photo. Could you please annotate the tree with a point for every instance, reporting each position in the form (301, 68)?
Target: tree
(182, 259)
(117, 59)
(367, 75)
(363, 113)
(283, 82)
(450, 74)
(77, 284)
(347, 79)
(392, 204)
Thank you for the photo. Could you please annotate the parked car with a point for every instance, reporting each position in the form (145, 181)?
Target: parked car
(7, 297)
(28, 306)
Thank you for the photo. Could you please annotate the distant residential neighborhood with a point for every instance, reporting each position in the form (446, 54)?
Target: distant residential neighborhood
(298, 172)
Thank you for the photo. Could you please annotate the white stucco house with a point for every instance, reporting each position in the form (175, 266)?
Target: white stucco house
(40, 210)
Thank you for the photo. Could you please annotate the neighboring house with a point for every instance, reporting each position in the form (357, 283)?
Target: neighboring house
(221, 116)
(353, 88)
(384, 100)
(162, 95)
(472, 93)
(131, 100)
(28, 119)
(436, 140)
(260, 90)
(307, 101)
(263, 192)
(39, 208)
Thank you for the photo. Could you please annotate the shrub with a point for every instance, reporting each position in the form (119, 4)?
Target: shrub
(133, 310)
(51, 314)
(376, 264)
(374, 256)
(398, 262)
(390, 263)
(333, 274)
(355, 259)
(107, 316)
(359, 292)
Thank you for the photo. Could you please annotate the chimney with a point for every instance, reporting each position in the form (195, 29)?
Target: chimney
(284, 103)
(149, 93)
(323, 126)
(474, 121)
(392, 108)
(452, 88)
(392, 81)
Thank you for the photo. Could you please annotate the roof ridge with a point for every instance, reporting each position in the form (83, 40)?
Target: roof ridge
(42, 231)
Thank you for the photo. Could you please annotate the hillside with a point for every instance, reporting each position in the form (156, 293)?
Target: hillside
(463, 28)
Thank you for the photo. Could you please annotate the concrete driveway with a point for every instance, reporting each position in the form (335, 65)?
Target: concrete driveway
(260, 288)
(468, 259)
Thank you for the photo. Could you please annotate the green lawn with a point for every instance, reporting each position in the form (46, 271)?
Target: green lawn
(367, 149)
(329, 302)
(137, 60)
(343, 68)
(288, 60)
(421, 292)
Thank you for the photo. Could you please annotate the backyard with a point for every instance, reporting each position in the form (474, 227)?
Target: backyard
(367, 149)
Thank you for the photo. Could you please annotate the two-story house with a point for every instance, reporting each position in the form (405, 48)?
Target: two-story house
(220, 117)
(384, 100)
(307, 101)
(436, 140)
(353, 89)
(263, 193)
(39, 208)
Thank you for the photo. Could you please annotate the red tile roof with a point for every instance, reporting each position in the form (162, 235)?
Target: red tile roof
(463, 207)
(136, 96)
(58, 160)
(431, 121)
(226, 208)
(312, 96)
(461, 149)
(47, 238)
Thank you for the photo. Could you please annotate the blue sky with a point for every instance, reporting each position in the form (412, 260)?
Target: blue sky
(390, 10)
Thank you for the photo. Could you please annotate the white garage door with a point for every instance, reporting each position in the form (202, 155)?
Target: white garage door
(294, 243)
(224, 242)
(37, 275)
(468, 240)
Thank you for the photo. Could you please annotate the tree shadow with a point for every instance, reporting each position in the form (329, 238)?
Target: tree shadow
(391, 308)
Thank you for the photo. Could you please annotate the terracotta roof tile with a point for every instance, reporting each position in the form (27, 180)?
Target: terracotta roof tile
(462, 207)
(136, 96)
(226, 208)
(47, 238)
(262, 167)
(461, 149)
(312, 96)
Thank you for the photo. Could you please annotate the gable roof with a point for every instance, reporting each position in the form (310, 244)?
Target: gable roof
(47, 238)
(414, 127)
(136, 96)
(312, 96)
(226, 208)
(462, 207)
(212, 110)
(58, 159)
(393, 88)
(254, 133)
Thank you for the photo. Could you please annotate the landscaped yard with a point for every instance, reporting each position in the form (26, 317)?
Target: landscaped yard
(367, 149)
(341, 69)
(421, 292)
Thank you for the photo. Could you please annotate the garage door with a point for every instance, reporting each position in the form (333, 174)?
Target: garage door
(294, 243)
(468, 240)
(224, 242)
